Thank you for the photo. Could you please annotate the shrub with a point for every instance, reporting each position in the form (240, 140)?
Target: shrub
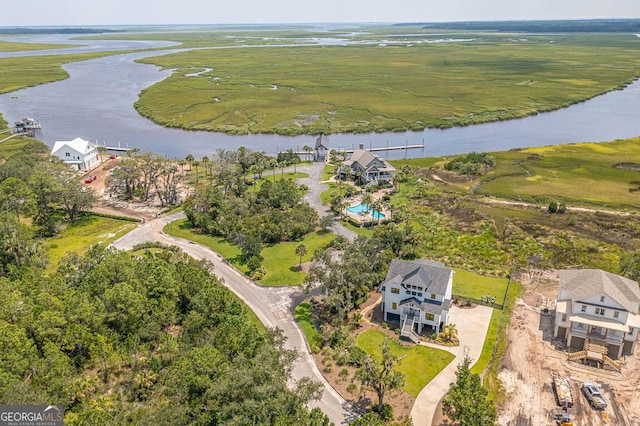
(343, 373)
(357, 356)
(553, 207)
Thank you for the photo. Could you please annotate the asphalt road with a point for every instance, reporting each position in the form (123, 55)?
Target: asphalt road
(273, 305)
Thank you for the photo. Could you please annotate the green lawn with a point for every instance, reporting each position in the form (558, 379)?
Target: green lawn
(78, 236)
(489, 342)
(303, 318)
(280, 260)
(470, 284)
(420, 365)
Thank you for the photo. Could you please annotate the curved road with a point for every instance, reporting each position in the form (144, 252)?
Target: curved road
(273, 305)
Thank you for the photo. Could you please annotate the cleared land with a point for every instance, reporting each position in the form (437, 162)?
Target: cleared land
(409, 84)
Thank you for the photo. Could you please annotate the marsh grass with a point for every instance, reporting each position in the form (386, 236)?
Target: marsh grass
(578, 174)
(10, 46)
(333, 89)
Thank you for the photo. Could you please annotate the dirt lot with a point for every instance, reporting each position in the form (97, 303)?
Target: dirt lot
(533, 358)
(109, 205)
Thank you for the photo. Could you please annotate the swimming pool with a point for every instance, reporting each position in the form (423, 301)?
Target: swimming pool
(363, 208)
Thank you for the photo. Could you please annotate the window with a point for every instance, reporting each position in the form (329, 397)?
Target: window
(419, 294)
(564, 317)
(583, 308)
(433, 295)
(616, 314)
(600, 311)
(395, 290)
(428, 316)
(68, 154)
(394, 305)
(383, 288)
(602, 298)
(413, 293)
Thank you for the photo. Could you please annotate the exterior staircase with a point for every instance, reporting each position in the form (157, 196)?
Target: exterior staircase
(606, 361)
(577, 355)
(407, 329)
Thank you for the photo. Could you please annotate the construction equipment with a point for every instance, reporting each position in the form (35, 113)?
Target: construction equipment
(563, 419)
(562, 389)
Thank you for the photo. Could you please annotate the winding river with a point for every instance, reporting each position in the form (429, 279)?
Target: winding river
(96, 103)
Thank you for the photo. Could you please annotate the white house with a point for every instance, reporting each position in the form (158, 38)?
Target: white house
(416, 294)
(367, 167)
(78, 153)
(597, 309)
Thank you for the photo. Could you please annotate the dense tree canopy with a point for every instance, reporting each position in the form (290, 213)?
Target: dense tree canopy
(150, 339)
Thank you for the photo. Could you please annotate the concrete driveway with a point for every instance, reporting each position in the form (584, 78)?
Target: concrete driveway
(472, 325)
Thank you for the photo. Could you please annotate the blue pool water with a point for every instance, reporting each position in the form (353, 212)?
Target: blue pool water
(363, 208)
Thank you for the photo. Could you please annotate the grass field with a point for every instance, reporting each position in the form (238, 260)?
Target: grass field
(470, 284)
(303, 318)
(420, 365)
(280, 260)
(313, 89)
(85, 232)
(579, 174)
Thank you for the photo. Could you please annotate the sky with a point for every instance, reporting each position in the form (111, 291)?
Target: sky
(131, 12)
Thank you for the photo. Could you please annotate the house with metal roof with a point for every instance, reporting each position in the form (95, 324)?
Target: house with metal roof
(597, 313)
(417, 294)
(78, 153)
(366, 167)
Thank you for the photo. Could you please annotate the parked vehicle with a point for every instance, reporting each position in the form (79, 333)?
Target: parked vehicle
(594, 395)
(90, 179)
(562, 389)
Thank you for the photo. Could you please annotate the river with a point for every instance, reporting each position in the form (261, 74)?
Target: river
(96, 103)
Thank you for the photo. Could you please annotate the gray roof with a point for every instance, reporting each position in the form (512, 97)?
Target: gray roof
(431, 275)
(322, 141)
(365, 158)
(585, 283)
(434, 307)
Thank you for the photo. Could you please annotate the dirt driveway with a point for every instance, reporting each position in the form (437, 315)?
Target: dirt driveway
(109, 205)
(533, 358)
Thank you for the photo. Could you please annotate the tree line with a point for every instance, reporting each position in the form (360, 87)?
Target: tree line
(144, 339)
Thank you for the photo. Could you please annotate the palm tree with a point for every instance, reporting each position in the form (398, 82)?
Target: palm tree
(190, 159)
(376, 206)
(449, 333)
(195, 164)
(366, 199)
(307, 149)
(301, 250)
(205, 160)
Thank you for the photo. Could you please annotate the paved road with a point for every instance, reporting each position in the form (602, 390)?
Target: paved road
(273, 305)
(314, 182)
(472, 326)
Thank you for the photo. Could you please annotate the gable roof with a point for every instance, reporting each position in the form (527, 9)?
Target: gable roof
(322, 141)
(78, 145)
(432, 275)
(585, 283)
(366, 158)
